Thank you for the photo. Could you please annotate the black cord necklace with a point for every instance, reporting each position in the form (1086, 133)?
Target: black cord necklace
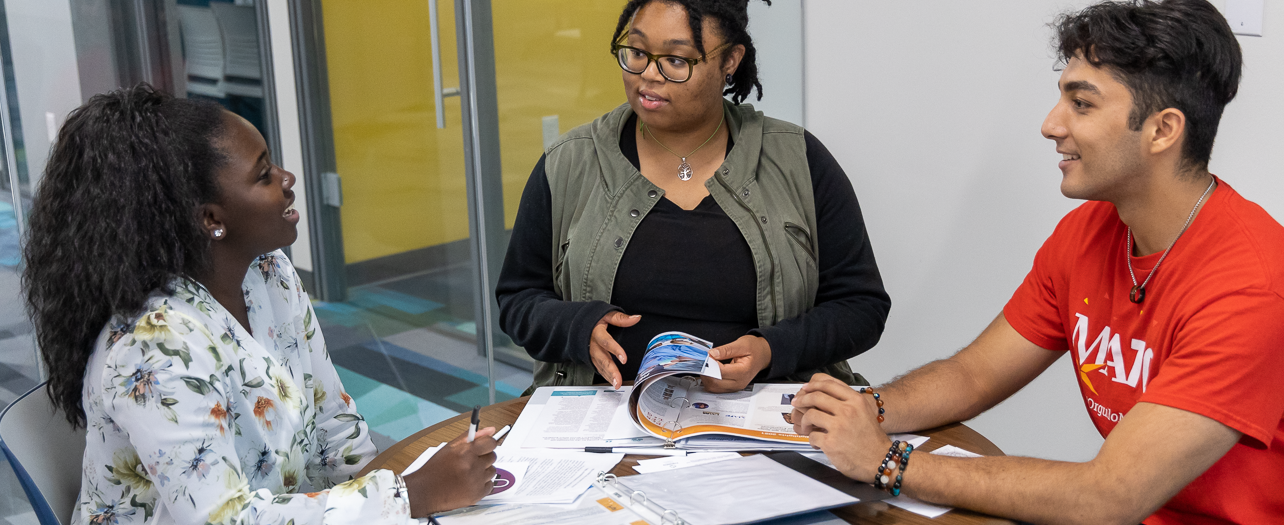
(1138, 292)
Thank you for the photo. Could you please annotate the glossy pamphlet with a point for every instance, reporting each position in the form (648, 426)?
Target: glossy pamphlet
(668, 400)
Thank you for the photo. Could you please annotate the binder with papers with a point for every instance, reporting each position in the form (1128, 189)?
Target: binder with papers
(750, 489)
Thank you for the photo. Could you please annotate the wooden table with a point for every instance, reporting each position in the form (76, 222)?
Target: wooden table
(400, 455)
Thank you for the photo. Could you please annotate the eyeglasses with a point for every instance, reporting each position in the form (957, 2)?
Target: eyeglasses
(672, 67)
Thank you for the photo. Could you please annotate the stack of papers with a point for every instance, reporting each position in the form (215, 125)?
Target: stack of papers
(595, 508)
(742, 490)
(539, 476)
(544, 474)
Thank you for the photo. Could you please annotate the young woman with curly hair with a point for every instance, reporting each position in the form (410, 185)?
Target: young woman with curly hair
(177, 332)
(686, 210)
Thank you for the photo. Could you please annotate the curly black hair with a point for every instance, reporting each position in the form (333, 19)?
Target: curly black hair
(115, 219)
(732, 17)
(1170, 54)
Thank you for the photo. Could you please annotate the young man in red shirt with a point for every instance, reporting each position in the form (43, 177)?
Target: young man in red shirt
(1166, 288)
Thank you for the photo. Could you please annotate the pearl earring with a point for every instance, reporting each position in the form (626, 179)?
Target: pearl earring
(218, 234)
(729, 80)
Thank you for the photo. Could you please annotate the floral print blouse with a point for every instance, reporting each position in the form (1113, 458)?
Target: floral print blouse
(193, 420)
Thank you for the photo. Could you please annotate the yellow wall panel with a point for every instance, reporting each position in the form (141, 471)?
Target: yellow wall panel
(552, 57)
(403, 178)
(404, 185)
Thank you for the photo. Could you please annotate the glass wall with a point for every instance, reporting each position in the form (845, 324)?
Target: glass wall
(404, 331)
(405, 337)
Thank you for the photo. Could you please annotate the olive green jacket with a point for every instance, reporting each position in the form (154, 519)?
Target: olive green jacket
(764, 186)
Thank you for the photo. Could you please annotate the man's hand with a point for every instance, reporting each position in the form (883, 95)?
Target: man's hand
(602, 346)
(458, 475)
(843, 423)
(749, 355)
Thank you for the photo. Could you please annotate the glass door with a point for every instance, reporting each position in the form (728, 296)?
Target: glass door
(415, 175)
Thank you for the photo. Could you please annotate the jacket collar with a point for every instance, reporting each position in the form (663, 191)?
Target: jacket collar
(739, 169)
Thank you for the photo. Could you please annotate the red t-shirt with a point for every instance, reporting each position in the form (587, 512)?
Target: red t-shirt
(1208, 338)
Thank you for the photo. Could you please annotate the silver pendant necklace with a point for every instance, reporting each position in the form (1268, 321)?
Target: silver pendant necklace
(1138, 292)
(684, 170)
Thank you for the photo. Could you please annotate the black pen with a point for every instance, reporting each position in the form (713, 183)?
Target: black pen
(472, 427)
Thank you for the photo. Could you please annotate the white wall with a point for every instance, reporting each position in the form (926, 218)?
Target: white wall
(44, 69)
(933, 107)
(777, 32)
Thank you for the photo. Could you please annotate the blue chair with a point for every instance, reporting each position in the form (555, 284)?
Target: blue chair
(46, 453)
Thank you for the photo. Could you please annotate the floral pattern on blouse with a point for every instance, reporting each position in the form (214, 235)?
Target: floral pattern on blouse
(193, 419)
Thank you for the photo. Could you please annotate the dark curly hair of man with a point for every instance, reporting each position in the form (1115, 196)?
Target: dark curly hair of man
(115, 219)
(732, 17)
(1177, 54)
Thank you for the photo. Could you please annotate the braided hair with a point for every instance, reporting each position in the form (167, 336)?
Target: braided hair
(732, 17)
(115, 219)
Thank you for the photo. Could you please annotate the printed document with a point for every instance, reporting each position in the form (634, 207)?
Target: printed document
(595, 508)
(546, 476)
(745, 490)
(574, 417)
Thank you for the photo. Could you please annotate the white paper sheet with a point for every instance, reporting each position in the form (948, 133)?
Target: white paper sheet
(656, 465)
(743, 490)
(421, 460)
(595, 508)
(918, 507)
(551, 476)
(927, 509)
(575, 418)
(951, 450)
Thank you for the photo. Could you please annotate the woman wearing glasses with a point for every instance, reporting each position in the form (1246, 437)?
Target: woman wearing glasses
(682, 210)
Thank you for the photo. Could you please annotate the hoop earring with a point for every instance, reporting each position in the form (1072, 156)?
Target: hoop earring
(729, 80)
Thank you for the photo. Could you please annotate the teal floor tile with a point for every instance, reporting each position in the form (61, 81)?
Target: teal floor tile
(515, 391)
(356, 385)
(377, 414)
(401, 428)
(410, 304)
(426, 415)
(385, 400)
(479, 395)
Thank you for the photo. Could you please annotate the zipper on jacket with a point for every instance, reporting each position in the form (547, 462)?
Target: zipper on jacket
(766, 245)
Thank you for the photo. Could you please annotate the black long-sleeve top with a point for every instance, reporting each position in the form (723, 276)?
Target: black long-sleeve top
(692, 271)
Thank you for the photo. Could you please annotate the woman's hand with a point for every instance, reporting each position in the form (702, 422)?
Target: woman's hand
(749, 355)
(602, 346)
(458, 475)
(843, 423)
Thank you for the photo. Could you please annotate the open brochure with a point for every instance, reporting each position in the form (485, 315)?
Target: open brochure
(668, 401)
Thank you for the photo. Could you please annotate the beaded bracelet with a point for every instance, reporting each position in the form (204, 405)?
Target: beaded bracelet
(897, 460)
(896, 488)
(883, 476)
(878, 398)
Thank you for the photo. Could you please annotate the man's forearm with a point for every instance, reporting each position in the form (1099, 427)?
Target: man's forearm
(1028, 489)
(932, 395)
(996, 365)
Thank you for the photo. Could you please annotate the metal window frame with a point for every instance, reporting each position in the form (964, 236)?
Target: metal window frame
(317, 133)
(479, 102)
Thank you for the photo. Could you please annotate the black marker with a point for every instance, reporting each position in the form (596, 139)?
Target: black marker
(472, 427)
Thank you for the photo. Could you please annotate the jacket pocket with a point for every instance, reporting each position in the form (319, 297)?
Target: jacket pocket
(561, 281)
(801, 237)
